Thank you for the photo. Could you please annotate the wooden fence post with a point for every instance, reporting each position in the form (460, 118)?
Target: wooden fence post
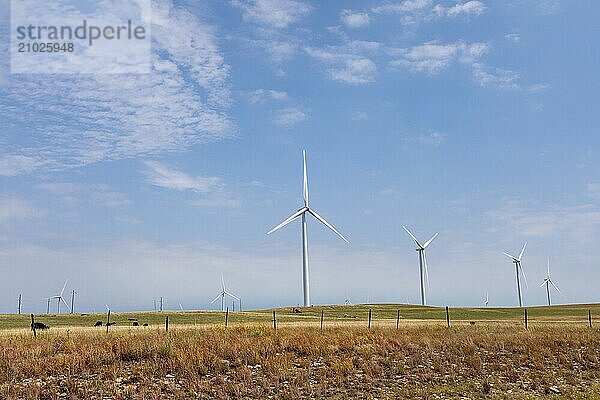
(107, 321)
(447, 317)
(321, 319)
(398, 320)
(370, 318)
(274, 320)
(590, 317)
(167, 324)
(526, 321)
(226, 315)
(33, 326)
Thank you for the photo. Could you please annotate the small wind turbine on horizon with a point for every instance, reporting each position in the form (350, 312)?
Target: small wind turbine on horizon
(487, 300)
(519, 266)
(548, 282)
(422, 263)
(224, 293)
(302, 213)
(59, 298)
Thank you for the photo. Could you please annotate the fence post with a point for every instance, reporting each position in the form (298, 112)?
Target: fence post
(107, 321)
(370, 318)
(226, 316)
(447, 317)
(167, 324)
(590, 317)
(321, 319)
(398, 320)
(274, 320)
(33, 326)
(526, 321)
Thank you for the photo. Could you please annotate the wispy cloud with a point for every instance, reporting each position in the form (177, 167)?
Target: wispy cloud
(432, 139)
(432, 57)
(513, 37)
(163, 176)
(273, 13)
(473, 7)
(15, 208)
(260, 96)
(402, 7)
(78, 120)
(353, 19)
(97, 194)
(289, 117)
(348, 63)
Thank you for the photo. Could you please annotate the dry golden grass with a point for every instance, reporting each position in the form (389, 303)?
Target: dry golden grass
(417, 361)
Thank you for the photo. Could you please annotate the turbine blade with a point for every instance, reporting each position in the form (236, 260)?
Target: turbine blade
(216, 298)
(107, 307)
(426, 270)
(65, 303)
(63, 289)
(524, 277)
(427, 243)
(543, 283)
(327, 224)
(522, 251)
(555, 287)
(288, 220)
(222, 283)
(548, 267)
(305, 186)
(230, 295)
(509, 256)
(413, 236)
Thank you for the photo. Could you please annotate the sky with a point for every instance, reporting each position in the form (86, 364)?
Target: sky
(475, 119)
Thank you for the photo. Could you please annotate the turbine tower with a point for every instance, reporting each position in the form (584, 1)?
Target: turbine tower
(518, 266)
(422, 263)
(222, 295)
(548, 282)
(302, 213)
(487, 300)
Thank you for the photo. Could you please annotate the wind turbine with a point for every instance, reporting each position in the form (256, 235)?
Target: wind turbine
(302, 213)
(422, 262)
(222, 295)
(517, 262)
(487, 300)
(59, 298)
(548, 282)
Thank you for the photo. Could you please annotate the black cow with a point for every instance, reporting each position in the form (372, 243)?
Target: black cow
(98, 323)
(135, 323)
(111, 323)
(40, 326)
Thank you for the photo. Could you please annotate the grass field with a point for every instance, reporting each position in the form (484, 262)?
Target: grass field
(557, 357)
(382, 314)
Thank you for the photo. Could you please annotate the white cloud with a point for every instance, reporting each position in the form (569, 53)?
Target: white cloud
(15, 208)
(349, 63)
(433, 57)
(472, 7)
(77, 120)
(496, 77)
(273, 13)
(354, 19)
(513, 37)
(359, 116)
(401, 7)
(162, 176)
(259, 96)
(289, 116)
(432, 139)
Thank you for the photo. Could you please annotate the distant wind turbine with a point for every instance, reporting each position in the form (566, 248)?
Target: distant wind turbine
(422, 263)
(222, 295)
(302, 213)
(518, 266)
(59, 297)
(487, 300)
(548, 282)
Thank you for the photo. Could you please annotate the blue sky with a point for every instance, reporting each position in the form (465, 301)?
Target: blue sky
(477, 119)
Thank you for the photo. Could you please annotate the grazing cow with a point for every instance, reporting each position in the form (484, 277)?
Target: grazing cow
(98, 323)
(111, 323)
(297, 311)
(145, 324)
(135, 323)
(40, 326)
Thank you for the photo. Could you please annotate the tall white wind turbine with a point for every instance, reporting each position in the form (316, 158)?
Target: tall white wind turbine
(548, 282)
(222, 295)
(519, 266)
(487, 300)
(59, 297)
(301, 213)
(422, 263)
